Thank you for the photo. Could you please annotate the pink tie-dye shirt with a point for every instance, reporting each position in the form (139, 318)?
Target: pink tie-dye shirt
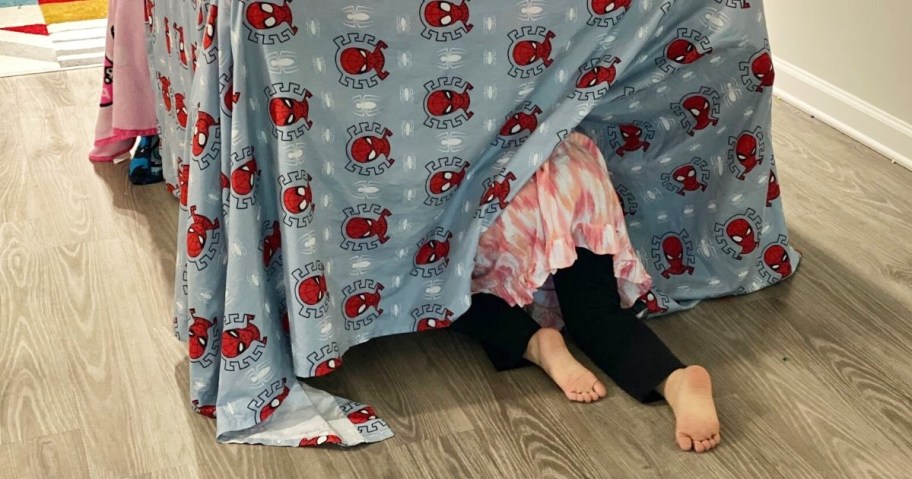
(569, 203)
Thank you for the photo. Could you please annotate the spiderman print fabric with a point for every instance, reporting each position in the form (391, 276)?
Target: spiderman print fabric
(336, 163)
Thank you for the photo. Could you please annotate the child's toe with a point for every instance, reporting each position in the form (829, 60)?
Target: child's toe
(685, 442)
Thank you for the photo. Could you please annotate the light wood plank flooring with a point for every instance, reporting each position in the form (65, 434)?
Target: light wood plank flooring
(814, 377)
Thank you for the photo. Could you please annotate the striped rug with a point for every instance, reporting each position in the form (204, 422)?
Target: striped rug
(46, 35)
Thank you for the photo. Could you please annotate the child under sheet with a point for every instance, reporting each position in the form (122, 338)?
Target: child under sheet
(339, 168)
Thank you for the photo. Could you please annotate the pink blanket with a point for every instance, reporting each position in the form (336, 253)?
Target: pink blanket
(127, 108)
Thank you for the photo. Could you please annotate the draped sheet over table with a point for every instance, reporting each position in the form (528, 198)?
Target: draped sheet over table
(319, 149)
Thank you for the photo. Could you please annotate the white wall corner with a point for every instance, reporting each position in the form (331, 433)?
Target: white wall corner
(873, 127)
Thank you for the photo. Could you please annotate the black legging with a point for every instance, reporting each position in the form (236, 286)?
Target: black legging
(614, 338)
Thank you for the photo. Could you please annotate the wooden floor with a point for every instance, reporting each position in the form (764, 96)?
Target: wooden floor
(814, 377)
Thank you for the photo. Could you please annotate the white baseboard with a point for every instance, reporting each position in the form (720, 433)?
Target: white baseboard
(873, 127)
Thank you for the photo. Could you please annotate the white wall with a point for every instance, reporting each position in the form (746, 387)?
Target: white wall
(848, 61)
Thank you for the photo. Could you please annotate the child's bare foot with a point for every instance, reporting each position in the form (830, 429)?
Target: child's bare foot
(548, 350)
(689, 393)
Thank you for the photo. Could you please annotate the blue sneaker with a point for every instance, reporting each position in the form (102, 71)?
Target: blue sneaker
(146, 165)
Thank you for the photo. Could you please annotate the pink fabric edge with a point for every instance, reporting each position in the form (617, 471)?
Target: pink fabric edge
(121, 135)
(562, 254)
(108, 158)
(145, 132)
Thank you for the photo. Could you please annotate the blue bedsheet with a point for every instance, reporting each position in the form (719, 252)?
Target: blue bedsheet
(317, 147)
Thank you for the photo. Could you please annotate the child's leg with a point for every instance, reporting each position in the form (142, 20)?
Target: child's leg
(503, 332)
(512, 339)
(624, 347)
(630, 352)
